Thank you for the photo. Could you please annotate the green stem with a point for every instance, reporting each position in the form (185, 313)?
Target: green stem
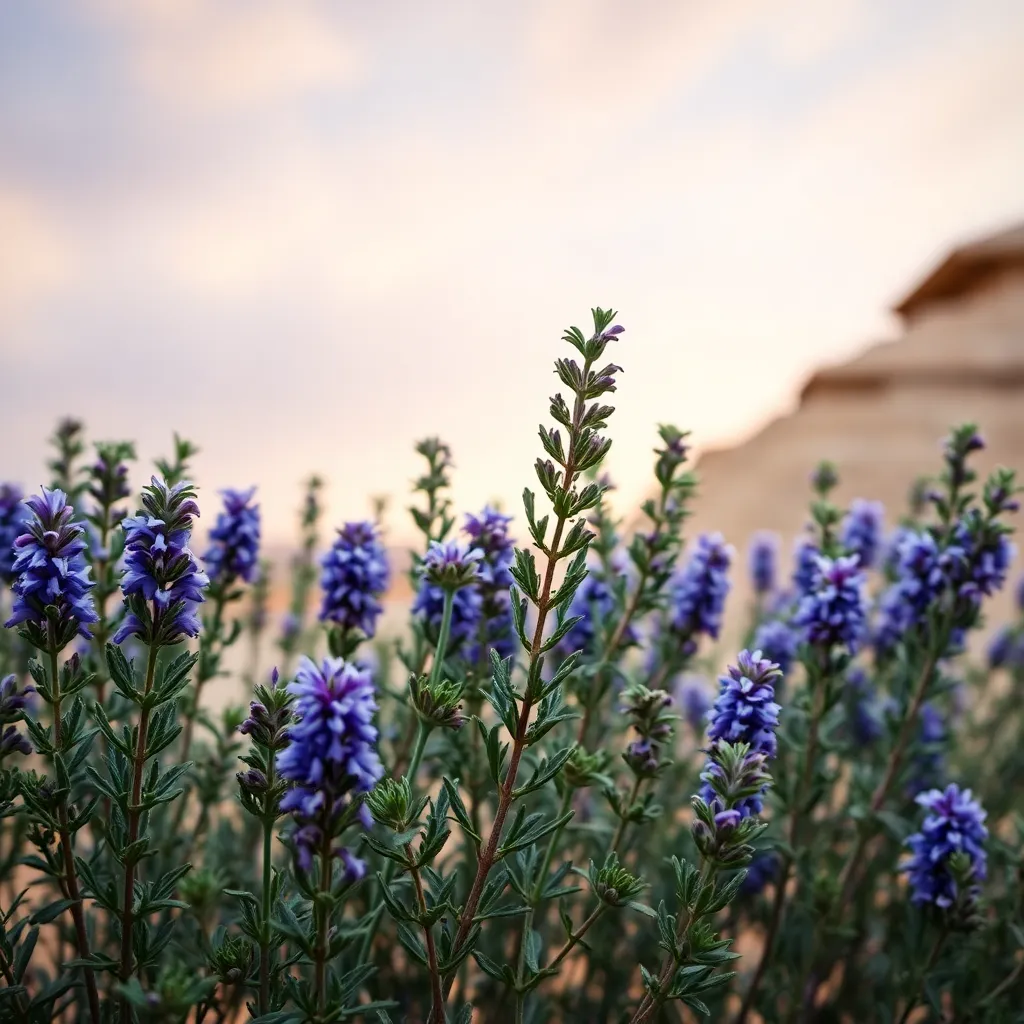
(204, 673)
(67, 852)
(923, 976)
(436, 996)
(442, 637)
(322, 926)
(620, 830)
(574, 938)
(543, 605)
(848, 875)
(650, 1005)
(268, 837)
(423, 731)
(134, 813)
(795, 821)
(1004, 986)
(549, 853)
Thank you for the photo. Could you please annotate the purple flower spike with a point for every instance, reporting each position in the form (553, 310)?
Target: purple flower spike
(50, 571)
(332, 753)
(746, 712)
(955, 823)
(235, 539)
(162, 583)
(355, 575)
(698, 597)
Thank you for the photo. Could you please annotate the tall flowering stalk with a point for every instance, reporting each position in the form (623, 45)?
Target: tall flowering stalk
(558, 475)
(742, 734)
(163, 587)
(330, 762)
(261, 790)
(653, 553)
(231, 560)
(107, 488)
(944, 571)
(67, 440)
(830, 620)
(354, 576)
(52, 605)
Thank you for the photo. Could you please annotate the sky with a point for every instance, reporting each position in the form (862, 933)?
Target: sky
(306, 234)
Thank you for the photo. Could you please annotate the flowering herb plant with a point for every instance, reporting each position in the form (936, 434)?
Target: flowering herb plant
(527, 804)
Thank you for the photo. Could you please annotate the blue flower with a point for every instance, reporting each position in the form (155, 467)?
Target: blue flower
(988, 562)
(488, 533)
(355, 574)
(760, 871)
(1018, 594)
(861, 531)
(331, 755)
(162, 583)
(13, 703)
(955, 823)
(595, 602)
(777, 642)
(50, 570)
(13, 515)
(763, 561)
(746, 712)
(833, 612)
(1006, 649)
(235, 539)
(699, 593)
(451, 565)
(863, 713)
(806, 565)
(693, 698)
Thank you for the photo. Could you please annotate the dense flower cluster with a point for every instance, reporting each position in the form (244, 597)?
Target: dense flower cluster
(972, 564)
(833, 611)
(454, 568)
(777, 641)
(160, 567)
(331, 756)
(355, 575)
(955, 823)
(698, 596)
(763, 561)
(862, 529)
(235, 539)
(50, 570)
(451, 565)
(746, 712)
(488, 533)
(13, 514)
(805, 567)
